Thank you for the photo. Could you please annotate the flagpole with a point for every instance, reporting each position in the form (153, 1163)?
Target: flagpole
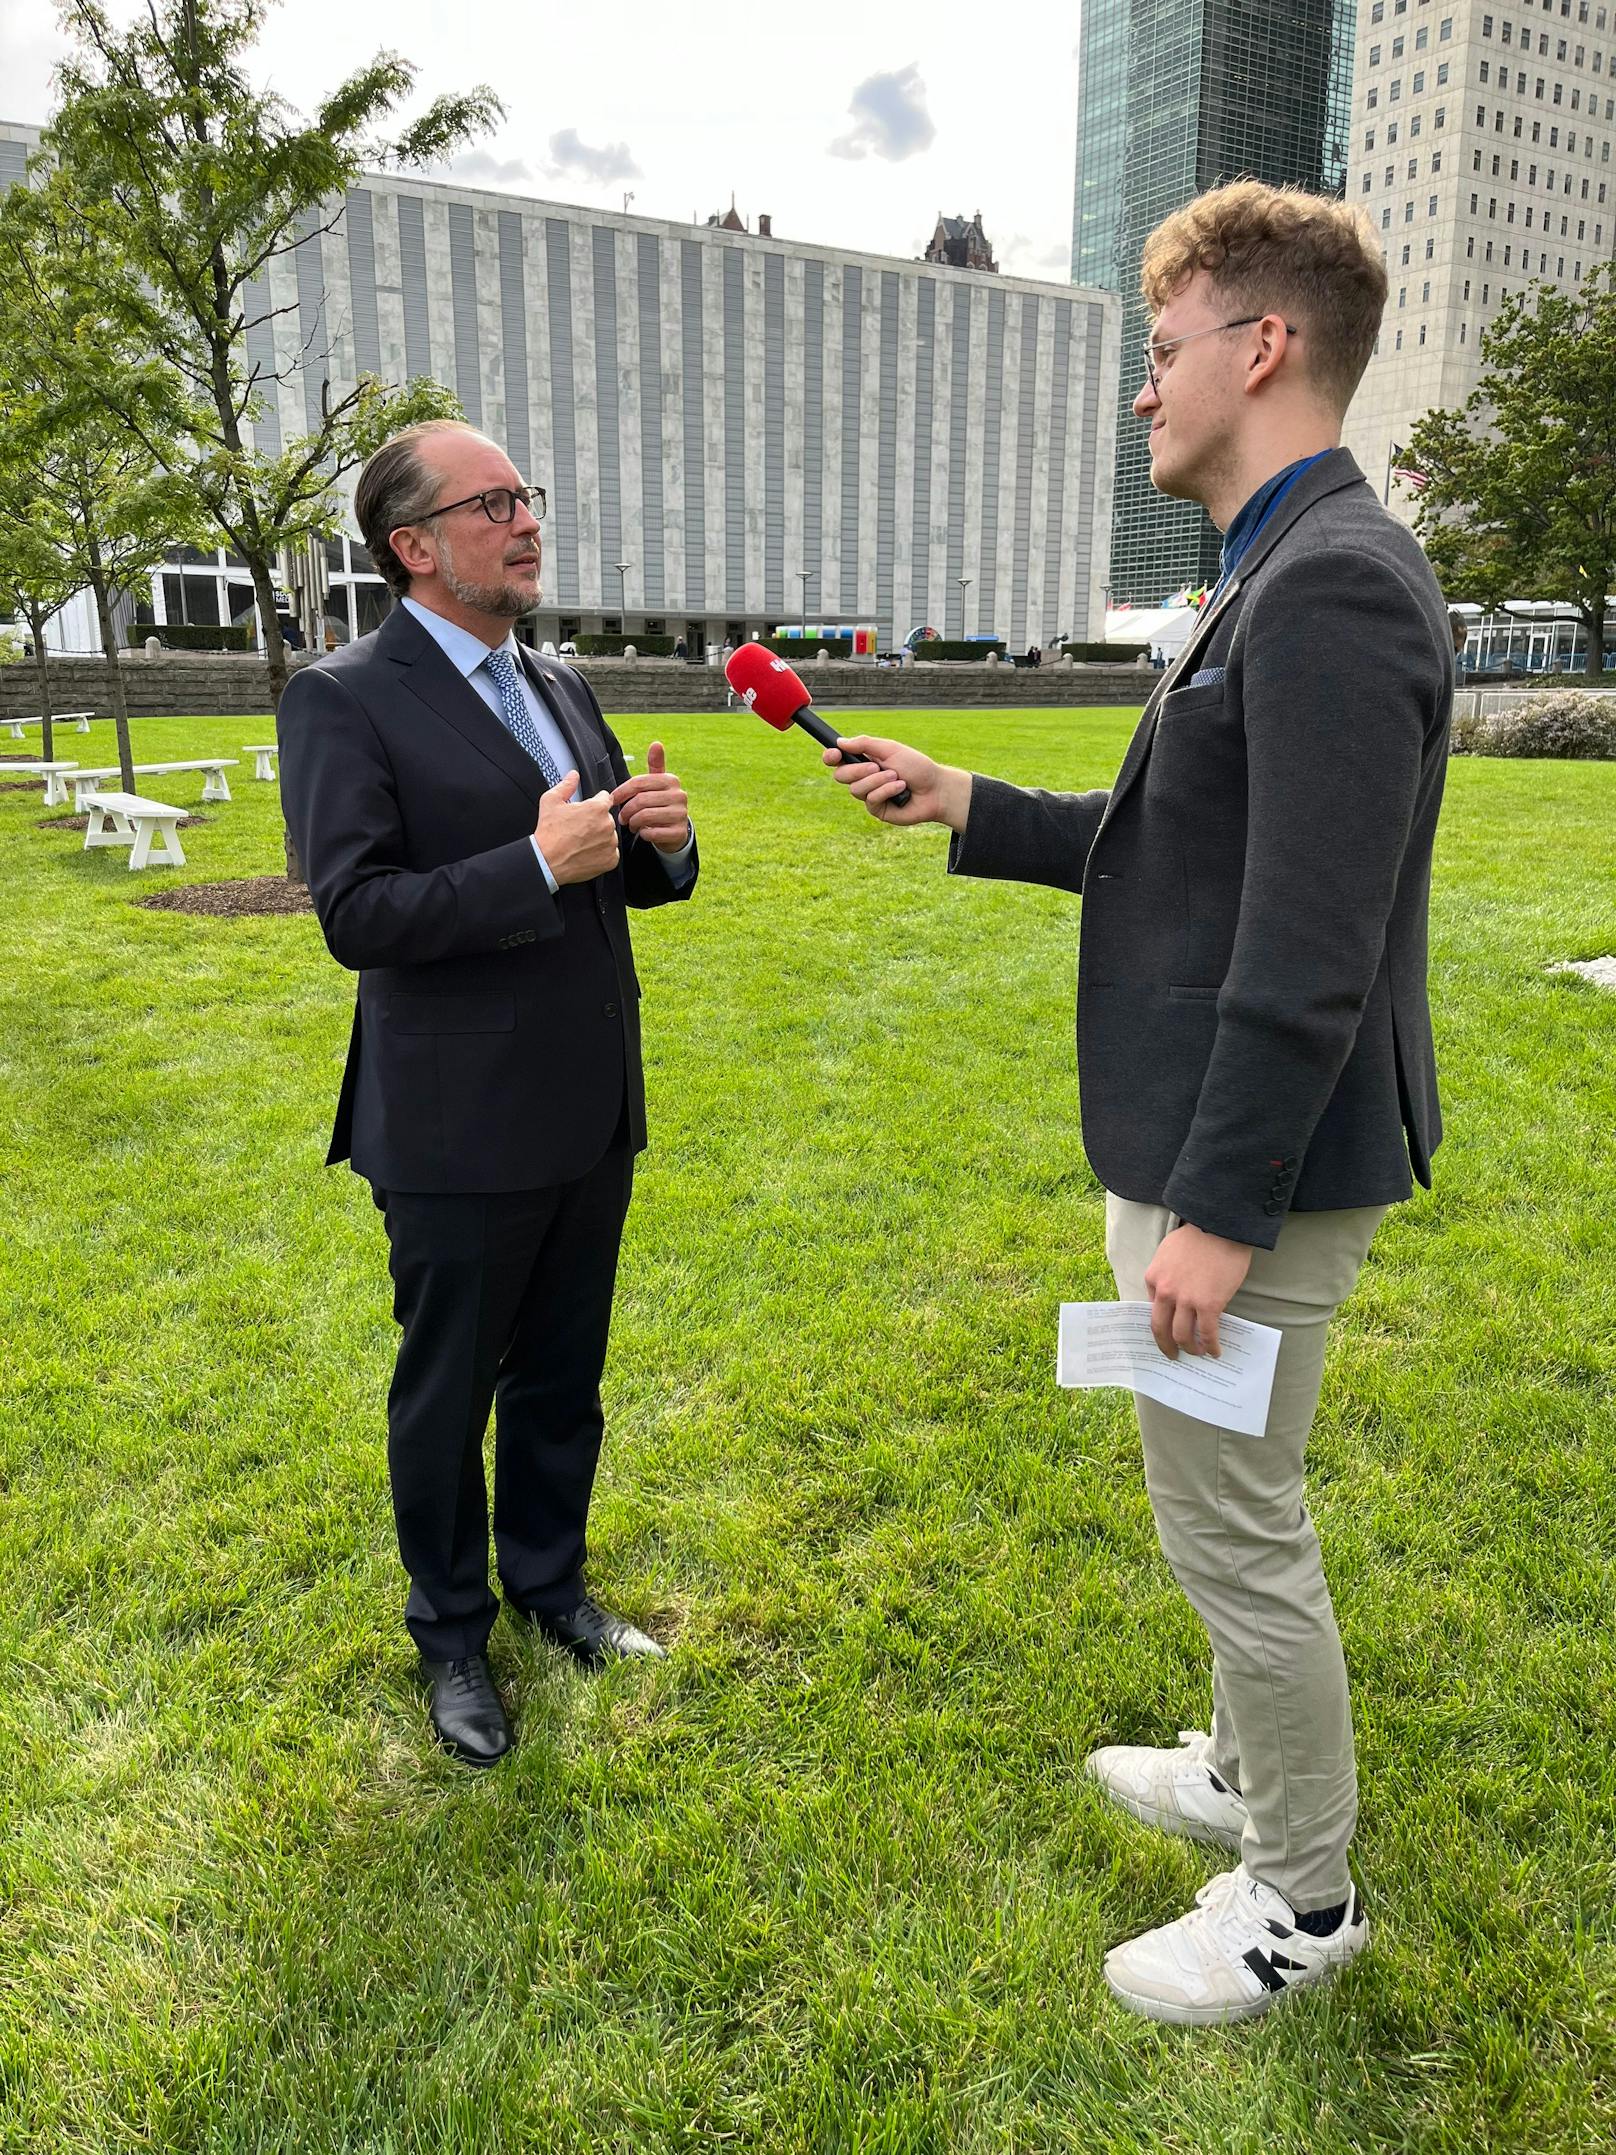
(1386, 490)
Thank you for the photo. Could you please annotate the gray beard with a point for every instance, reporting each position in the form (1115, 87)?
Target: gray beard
(501, 600)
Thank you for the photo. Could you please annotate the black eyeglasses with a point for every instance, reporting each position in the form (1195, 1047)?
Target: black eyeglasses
(1168, 344)
(498, 504)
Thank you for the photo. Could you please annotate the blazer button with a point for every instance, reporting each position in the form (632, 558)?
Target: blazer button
(1273, 1205)
(610, 1010)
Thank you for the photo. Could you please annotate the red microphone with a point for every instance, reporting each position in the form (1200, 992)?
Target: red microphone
(768, 686)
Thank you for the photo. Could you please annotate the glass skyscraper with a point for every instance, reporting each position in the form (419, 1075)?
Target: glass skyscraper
(1176, 96)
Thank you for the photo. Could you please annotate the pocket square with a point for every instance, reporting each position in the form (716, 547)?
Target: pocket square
(1208, 677)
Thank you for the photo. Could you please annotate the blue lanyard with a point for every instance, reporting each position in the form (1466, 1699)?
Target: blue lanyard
(1252, 536)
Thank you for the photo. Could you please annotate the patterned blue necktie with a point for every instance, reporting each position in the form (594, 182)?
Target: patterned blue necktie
(518, 719)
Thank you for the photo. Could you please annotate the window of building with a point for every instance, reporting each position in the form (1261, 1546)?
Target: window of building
(1425, 293)
(1374, 56)
(1369, 141)
(1430, 249)
(1422, 38)
(1497, 164)
(1470, 248)
(1406, 245)
(1506, 32)
(1391, 134)
(1467, 289)
(1408, 213)
(1368, 181)
(1396, 90)
(1461, 332)
(1372, 100)
(1487, 73)
(1486, 26)
(1422, 332)
(1430, 206)
(1378, 12)
(1441, 116)
(1413, 127)
(1444, 29)
(1436, 160)
(1386, 218)
(1418, 84)
(1399, 344)
(1402, 295)
(1413, 168)
(1397, 48)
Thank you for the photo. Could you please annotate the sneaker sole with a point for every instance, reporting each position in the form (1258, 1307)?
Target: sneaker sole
(1188, 1829)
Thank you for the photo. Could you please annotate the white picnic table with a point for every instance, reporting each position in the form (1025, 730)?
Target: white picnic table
(79, 720)
(54, 775)
(217, 787)
(150, 829)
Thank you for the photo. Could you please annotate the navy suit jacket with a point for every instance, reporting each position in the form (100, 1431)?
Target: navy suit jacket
(496, 1036)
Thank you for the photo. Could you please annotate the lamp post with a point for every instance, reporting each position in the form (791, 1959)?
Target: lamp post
(622, 596)
(964, 583)
(803, 577)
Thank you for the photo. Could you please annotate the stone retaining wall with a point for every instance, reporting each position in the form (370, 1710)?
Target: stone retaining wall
(217, 684)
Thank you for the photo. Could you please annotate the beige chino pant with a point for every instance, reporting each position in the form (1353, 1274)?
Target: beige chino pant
(1234, 1528)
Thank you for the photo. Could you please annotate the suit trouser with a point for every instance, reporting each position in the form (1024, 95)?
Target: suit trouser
(504, 1301)
(1234, 1527)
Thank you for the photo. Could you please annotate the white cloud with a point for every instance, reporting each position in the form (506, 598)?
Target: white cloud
(498, 171)
(569, 156)
(890, 119)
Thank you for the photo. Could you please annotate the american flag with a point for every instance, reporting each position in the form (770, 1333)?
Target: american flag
(1419, 480)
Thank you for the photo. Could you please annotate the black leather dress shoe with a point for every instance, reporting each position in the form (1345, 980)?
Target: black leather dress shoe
(592, 1634)
(466, 1710)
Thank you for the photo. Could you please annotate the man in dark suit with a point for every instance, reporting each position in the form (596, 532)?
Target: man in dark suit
(1254, 1039)
(472, 840)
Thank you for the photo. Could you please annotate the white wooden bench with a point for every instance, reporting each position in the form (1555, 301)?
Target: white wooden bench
(264, 754)
(54, 775)
(216, 788)
(149, 828)
(78, 719)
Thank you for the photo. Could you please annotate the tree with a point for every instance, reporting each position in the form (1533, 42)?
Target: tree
(195, 184)
(84, 504)
(1522, 493)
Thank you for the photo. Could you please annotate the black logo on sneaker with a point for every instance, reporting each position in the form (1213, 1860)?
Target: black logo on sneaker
(1271, 1969)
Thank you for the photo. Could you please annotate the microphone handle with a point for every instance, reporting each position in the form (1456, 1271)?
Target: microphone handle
(815, 727)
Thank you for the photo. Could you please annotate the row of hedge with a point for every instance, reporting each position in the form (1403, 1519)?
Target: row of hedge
(594, 646)
(1106, 654)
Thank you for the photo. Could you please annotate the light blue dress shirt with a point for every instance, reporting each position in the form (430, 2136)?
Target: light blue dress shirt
(468, 655)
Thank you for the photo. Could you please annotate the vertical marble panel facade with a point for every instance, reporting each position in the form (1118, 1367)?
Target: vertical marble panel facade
(761, 431)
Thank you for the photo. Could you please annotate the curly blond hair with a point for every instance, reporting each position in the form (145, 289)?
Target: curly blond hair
(1280, 250)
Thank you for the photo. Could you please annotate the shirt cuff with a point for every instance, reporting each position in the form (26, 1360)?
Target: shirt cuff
(678, 864)
(555, 887)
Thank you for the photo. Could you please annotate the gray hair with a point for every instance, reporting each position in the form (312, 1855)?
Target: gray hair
(395, 488)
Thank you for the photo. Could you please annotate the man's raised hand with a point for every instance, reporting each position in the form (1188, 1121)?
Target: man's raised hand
(654, 805)
(937, 792)
(577, 838)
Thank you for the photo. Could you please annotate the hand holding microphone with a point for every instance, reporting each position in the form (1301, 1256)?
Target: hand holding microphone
(897, 784)
(768, 686)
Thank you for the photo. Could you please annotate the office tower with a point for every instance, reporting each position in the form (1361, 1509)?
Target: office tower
(1176, 96)
(1482, 150)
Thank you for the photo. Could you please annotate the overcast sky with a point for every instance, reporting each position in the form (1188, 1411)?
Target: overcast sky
(853, 122)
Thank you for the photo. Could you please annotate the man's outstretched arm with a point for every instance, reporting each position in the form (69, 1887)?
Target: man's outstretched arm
(1017, 834)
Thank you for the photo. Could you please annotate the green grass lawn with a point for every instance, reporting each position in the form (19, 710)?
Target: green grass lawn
(829, 1878)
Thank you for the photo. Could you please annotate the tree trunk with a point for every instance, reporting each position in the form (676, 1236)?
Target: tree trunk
(1595, 668)
(275, 653)
(36, 624)
(115, 690)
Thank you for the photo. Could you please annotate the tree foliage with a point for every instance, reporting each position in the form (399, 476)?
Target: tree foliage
(1522, 499)
(196, 186)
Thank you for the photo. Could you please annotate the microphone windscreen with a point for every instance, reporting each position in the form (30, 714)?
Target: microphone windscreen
(766, 685)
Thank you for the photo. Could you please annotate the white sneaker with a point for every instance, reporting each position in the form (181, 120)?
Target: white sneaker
(1236, 1951)
(1175, 1790)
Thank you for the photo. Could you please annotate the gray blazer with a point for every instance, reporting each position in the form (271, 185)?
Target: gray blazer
(1253, 1030)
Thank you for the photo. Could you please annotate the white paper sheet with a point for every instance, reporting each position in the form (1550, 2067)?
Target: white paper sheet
(1111, 1343)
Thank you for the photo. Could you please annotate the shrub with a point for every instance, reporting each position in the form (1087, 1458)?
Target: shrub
(942, 649)
(1562, 724)
(794, 649)
(1107, 654)
(614, 646)
(195, 636)
(11, 647)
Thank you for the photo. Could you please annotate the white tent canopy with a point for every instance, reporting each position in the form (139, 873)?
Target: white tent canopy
(1166, 627)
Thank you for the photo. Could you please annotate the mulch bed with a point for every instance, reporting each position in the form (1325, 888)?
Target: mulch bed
(241, 900)
(19, 785)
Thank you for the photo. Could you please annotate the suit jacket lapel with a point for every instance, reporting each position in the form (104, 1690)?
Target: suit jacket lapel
(1333, 472)
(1145, 732)
(586, 751)
(450, 696)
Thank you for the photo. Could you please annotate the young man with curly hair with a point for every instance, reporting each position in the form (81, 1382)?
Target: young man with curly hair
(1254, 1038)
